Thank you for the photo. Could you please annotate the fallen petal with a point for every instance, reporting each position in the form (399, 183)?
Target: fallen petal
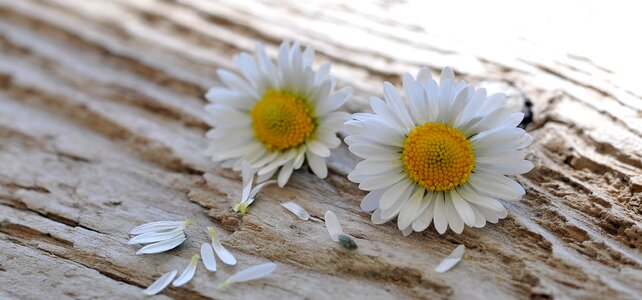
(251, 273)
(163, 245)
(451, 260)
(157, 226)
(207, 254)
(160, 283)
(333, 226)
(152, 237)
(297, 210)
(188, 274)
(225, 256)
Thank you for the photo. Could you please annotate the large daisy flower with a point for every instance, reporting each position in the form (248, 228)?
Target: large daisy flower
(276, 116)
(443, 156)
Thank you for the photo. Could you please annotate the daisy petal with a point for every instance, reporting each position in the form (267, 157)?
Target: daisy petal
(207, 255)
(225, 256)
(156, 226)
(296, 210)
(452, 259)
(188, 273)
(163, 246)
(251, 273)
(152, 237)
(333, 226)
(160, 283)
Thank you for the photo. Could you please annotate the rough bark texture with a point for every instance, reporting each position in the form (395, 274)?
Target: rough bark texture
(100, 131)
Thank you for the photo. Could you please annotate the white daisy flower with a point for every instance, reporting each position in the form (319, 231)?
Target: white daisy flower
(251, 273)
(160, 236)
(276, 116)
(441, 157)
(226, 256)
(249, 192)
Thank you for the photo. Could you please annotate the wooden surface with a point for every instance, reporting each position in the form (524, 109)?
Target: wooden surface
(100, 130)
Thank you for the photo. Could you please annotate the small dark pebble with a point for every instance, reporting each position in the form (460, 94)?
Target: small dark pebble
(347, 242)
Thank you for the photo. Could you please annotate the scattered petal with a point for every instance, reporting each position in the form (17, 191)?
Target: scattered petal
(158, 226)
(207, 255)
(160, 283)
(188, 274)
(451, 260)
(225, 255)
(333, 226)
(152, 237)
(347, 242)
(251, 273)
(162, 246)
(297, 210)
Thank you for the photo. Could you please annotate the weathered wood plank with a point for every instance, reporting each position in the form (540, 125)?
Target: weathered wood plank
(101, 130)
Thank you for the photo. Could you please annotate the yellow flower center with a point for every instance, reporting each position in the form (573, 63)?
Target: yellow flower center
(282, 121)
(437, 157)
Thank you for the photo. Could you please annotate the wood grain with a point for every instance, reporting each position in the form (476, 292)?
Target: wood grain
(101, 130)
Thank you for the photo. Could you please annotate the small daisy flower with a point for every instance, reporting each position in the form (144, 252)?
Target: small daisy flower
(443, 157)
(276, 116)
(160, 236)
(249, 192)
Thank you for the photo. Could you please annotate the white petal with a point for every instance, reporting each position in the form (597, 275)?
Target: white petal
(247, 175)
(471, 196)
(395, 193)
(207, 255)
(447, 73)
(251, 273)
(410, 209)
(489, 185)
(378, 219)
(225, 256)
(451, 260)
(454, 220)
(333, 226)
(161, 283)
(317, 164)
(441, 221)
(285, 173)
(381, 181)
(157, 226)
(425, 218)
(371, 201)
(163, 245)
(152, 237)
(318, 148)
(297, 210)
(394, 101)
(188, 273)
(406, 231)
